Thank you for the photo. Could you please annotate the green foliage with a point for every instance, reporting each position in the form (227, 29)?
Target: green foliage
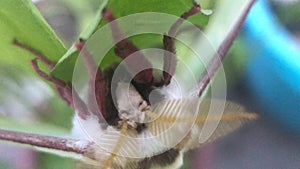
(43, 128)
(3, 165)
(49, 161)
(22, 21)
(123, 8)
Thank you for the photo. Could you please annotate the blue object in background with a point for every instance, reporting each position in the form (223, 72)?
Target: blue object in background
(273, 74)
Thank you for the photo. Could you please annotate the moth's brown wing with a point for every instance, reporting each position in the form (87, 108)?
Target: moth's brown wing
(233, 116)
(190, 129)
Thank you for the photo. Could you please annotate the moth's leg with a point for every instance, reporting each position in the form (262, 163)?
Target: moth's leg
(125, 47)
(89, 62)
(64, 89)
(169, 44)
(98, 87)
(38, 55)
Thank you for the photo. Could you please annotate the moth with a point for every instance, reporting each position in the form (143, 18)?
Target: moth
(121, 126)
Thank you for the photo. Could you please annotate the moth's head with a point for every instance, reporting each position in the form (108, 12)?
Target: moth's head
(130, 104)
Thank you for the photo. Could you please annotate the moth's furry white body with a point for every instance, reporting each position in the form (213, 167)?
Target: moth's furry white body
(172, 91)
(90, 130)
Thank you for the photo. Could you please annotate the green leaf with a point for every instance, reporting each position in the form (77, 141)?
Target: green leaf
(32, 127)
(51, 161)
(20, 19)
(123, 8)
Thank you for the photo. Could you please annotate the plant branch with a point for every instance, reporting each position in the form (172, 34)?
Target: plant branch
(217, 59)
(69, 145)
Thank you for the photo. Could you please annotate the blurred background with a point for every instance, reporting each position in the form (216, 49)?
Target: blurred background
(263, 74)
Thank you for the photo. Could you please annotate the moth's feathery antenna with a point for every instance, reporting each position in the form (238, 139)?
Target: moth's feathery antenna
(117, 148)
(201, 119)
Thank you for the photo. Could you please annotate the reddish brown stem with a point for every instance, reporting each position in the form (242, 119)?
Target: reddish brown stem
(69, 145)
(217, 59)
(40, 56)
